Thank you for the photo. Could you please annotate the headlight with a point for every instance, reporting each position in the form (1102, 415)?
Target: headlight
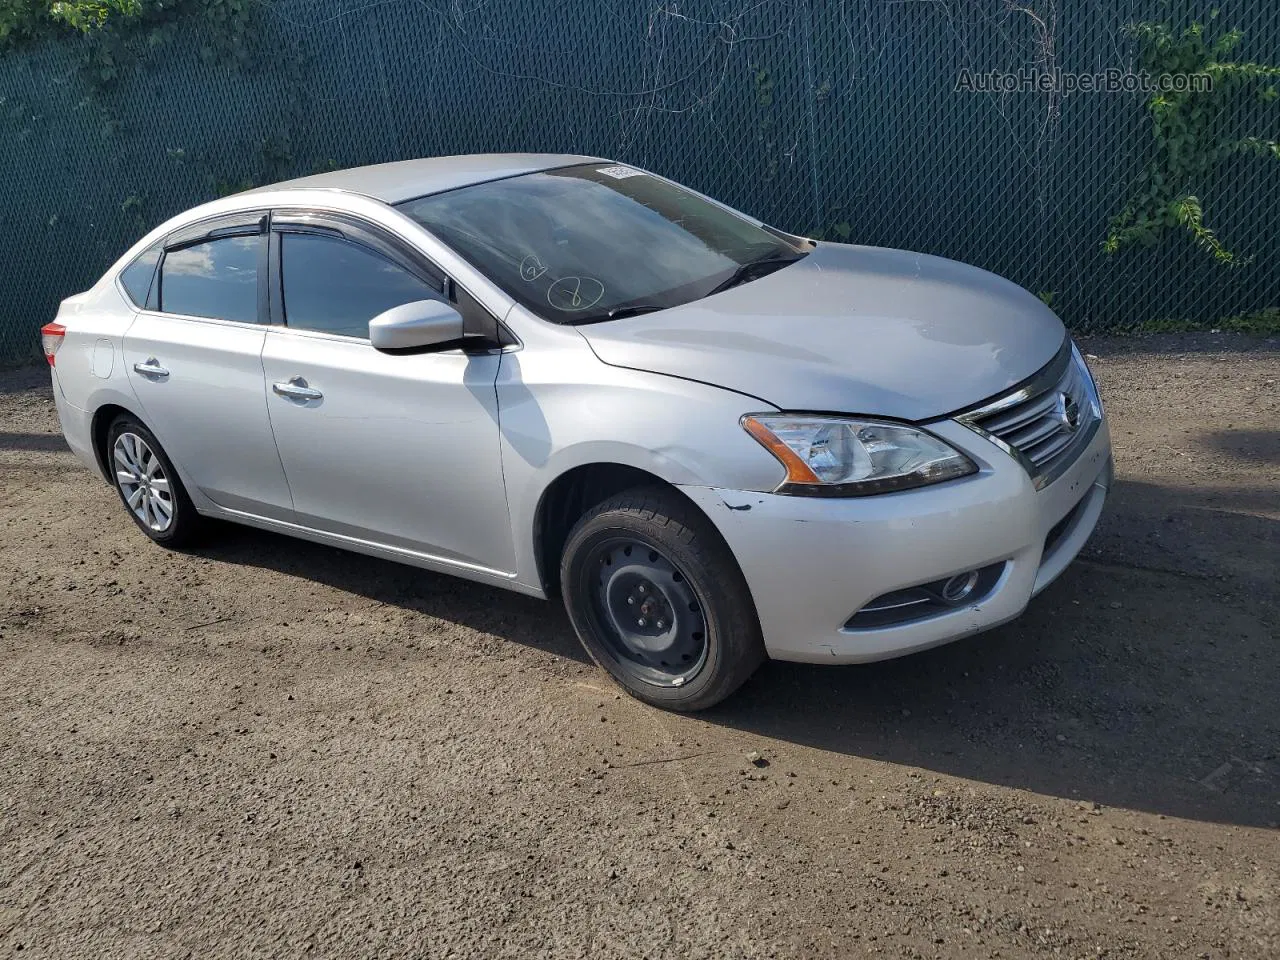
(846, 457)
(1090, 385)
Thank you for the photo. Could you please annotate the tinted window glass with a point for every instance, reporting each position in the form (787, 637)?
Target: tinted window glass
(582, 243)
(136, 277)
(218, 278)
(338, 286)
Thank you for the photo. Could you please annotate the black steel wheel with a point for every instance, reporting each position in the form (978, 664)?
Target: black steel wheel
(646, 611)
(658, 600)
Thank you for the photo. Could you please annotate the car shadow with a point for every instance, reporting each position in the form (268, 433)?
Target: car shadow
(1248, 446)
(1146, 677)
(24, 377)
(27, 442)
(501, 613)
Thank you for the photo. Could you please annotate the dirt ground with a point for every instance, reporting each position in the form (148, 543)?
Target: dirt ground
(266, 748)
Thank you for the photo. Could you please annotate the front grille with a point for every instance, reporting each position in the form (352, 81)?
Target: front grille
(1046, 421)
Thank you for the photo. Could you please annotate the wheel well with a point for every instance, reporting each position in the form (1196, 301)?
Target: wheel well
(103, 417)
(570, 496)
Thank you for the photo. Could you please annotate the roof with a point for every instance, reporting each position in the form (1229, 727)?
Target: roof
(406, 179)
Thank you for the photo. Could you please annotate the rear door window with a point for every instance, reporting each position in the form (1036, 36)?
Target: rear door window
(217, 278)
(337, 286)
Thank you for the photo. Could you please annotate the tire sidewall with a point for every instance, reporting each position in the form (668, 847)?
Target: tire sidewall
(577, 584)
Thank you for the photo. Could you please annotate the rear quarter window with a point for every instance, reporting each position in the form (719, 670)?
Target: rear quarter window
(139, 275)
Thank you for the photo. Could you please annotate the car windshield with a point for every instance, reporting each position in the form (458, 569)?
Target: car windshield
(597, 241)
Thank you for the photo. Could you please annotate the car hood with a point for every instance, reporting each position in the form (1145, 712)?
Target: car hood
(849, 330)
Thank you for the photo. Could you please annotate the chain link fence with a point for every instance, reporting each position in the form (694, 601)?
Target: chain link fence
(844, 120)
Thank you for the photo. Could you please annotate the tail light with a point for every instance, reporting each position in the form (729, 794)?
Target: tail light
(51, 335)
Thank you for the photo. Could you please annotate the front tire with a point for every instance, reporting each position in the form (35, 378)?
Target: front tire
(148, 485)
(658, 601)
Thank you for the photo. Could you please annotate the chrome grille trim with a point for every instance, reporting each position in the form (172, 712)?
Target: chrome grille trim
(1031, 422)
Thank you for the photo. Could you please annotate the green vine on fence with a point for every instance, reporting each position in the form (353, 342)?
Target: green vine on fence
(1189, 139)
(121, 31)
(86, 15)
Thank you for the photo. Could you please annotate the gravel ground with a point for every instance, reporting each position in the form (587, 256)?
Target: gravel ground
(267, 748)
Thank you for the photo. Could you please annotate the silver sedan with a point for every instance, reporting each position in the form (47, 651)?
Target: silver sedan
(717, 441)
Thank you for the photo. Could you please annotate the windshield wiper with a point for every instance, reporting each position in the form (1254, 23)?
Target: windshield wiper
(741, 274)
(752, 270)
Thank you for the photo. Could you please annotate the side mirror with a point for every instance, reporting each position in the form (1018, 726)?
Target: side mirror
(418, 325)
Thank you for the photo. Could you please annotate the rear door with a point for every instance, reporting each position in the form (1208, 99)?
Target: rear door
(399, 450)
(194, 360)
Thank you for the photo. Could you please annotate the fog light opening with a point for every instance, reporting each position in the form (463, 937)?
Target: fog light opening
(960, 587)
(934, 599)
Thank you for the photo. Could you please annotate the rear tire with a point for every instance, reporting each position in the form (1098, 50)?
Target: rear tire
(658, 601)
(149, 486)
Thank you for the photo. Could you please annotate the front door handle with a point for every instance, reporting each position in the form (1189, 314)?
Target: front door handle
(295, 388)
(150, 368)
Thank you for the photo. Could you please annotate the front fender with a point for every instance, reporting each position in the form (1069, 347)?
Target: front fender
(563, 408)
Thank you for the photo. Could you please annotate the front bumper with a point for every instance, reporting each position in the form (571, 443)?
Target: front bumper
(811, 563)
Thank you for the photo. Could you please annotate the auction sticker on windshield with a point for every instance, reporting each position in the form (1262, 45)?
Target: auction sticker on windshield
(619, 173)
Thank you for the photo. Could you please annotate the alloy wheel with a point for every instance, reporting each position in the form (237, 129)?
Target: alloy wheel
(143, 482)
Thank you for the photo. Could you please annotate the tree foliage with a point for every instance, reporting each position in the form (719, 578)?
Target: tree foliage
(24, 21)
(86, 15)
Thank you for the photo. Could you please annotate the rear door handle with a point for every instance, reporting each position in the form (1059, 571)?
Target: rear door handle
(150, 368)
(295, 388)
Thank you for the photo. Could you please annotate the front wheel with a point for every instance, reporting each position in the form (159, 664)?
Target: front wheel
(657, 599)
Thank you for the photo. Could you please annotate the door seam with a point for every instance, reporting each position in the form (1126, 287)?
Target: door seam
(271, 423)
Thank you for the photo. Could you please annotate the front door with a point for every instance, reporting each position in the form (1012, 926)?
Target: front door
(398, 450)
